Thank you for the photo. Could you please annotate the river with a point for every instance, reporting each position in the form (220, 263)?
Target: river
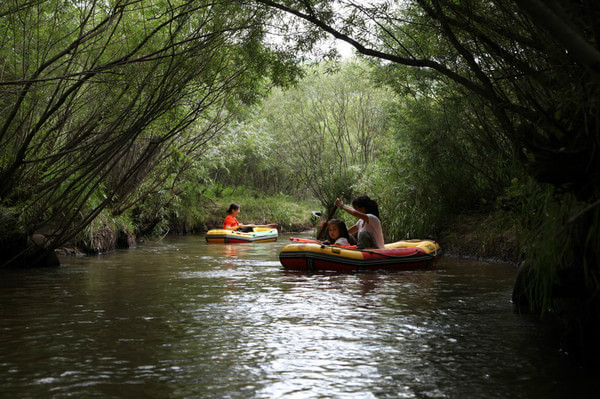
(180, 318)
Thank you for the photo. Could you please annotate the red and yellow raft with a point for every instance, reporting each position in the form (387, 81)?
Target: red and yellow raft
(310, 255)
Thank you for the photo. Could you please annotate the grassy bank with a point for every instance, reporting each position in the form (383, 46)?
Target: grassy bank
(482, 236)
(290, 213)
(190, 214)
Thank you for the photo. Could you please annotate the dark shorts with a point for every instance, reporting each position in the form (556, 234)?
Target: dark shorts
(365, 240)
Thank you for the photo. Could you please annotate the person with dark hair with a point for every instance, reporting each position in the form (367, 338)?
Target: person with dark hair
(231, 222)
(337, 233)
(368, 227)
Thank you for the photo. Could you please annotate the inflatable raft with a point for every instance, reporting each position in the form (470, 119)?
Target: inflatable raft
(260, 234)
(310, 255)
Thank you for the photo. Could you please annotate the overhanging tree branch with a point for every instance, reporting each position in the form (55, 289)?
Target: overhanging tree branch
(549, 18)
(421, 63)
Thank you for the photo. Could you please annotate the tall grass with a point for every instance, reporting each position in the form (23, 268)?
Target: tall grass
(289, 212)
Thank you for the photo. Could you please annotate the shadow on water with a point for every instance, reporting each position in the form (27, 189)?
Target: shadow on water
(181, 318)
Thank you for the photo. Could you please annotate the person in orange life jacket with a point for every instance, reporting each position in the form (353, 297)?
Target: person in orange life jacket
(231, 222)
(368, 227)
(337, 233)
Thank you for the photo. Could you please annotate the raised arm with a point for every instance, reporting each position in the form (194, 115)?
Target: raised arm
(356, 213)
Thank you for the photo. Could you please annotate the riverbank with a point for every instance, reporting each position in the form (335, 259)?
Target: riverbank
(466, 236)
(481, 236)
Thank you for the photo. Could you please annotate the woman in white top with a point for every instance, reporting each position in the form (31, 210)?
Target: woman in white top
(368, 227)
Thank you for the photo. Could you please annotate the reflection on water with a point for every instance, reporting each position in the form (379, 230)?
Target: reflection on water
(184, 319)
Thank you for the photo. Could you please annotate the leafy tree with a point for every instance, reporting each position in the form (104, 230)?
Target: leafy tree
(505, 53)
(311, 141)
(330, 128)
(95, 95)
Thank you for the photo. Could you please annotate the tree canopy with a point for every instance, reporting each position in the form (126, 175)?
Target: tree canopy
(533, 65)
(94, 95)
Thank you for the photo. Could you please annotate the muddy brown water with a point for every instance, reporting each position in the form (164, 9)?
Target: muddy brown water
(180, 318)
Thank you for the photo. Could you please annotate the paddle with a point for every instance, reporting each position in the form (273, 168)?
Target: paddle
(329, 217)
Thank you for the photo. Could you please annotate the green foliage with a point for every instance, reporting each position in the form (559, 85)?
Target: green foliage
(245, 154)
(442, 161)
(335, 122)
(289, 212)
(560, 238)
(97, 96)
(9, 222)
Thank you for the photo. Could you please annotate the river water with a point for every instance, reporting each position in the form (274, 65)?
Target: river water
(180, 318)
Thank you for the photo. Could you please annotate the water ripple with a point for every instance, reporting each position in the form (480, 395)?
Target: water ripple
(184, 319)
